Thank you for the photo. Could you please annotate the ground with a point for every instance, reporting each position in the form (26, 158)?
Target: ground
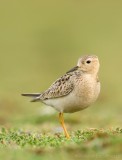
(38, 136)
(39, 42)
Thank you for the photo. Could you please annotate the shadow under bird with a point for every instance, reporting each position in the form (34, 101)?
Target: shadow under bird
(74, 91)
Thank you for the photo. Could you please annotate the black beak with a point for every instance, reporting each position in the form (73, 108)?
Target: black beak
(73, 69)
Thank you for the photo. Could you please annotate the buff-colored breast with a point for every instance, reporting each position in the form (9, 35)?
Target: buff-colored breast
(85, 92)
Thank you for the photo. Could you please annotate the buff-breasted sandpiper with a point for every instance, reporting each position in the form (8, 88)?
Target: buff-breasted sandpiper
(74, 91)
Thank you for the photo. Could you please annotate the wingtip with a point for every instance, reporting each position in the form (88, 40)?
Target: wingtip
(31, 94)
(22, 94)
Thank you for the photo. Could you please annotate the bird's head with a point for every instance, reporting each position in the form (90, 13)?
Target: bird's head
(89, 64)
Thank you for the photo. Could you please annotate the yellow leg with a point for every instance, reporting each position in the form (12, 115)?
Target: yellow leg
(63, 125)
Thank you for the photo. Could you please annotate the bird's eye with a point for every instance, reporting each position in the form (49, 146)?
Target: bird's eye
(88, 61)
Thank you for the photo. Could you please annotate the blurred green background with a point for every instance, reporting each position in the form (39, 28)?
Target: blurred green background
(40, 41)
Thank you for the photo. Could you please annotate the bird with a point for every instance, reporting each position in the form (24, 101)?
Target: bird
(74, 91)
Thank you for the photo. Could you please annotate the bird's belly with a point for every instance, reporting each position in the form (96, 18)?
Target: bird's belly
(74, 102)
(66, 104)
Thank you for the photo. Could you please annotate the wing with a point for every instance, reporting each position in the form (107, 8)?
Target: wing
(73, 69)
(62, 87)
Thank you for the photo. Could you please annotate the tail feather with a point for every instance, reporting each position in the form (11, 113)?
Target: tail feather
(36, 99)
(36, 96)
(31, 94)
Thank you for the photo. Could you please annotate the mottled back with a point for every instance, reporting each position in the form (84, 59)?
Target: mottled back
(61, 87)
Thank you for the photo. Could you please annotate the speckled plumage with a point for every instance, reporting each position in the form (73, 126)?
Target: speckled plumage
(61, 87)
(75, 90)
